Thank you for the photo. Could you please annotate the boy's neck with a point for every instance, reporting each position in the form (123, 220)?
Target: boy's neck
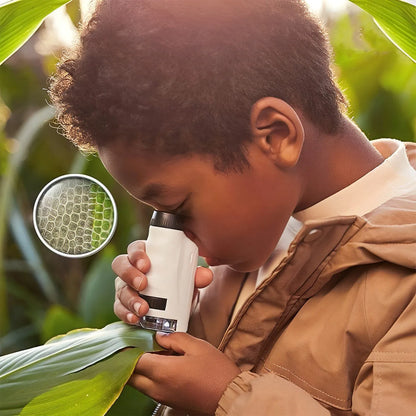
(332, 162)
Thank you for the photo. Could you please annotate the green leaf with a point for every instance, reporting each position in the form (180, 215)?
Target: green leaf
(91, 392)
(397, 19)
(86, 367)
(19, 20)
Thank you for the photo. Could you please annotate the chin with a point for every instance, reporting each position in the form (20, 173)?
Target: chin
(245, 267)
(249, 265)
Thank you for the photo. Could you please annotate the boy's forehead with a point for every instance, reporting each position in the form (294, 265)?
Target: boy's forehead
(148, 176)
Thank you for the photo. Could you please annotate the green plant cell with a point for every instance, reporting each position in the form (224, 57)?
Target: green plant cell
(75, 216)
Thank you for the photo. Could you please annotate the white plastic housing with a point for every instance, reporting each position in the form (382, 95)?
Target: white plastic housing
(171, 279)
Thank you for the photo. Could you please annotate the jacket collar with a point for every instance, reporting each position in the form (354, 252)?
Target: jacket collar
(303, 272)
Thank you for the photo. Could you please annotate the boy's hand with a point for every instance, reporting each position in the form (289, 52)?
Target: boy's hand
(131, 269)
(193, 379)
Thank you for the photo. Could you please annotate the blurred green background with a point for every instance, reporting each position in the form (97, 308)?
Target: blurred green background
(42, 294)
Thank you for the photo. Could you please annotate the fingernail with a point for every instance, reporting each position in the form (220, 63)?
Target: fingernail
(137, 307)
(137, 282)
(140, 264)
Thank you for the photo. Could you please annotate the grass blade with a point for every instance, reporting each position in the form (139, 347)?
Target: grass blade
(26, 245)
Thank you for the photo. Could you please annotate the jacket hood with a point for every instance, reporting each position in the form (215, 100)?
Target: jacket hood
(387, 233)
(390, 233)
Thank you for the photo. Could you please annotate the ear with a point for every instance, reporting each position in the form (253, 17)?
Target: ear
(277, 130)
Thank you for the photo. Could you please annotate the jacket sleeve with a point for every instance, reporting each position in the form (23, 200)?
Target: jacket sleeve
(386, 383)
(267, 395)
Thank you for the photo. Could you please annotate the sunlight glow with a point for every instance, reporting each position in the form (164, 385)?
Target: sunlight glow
(325, 6)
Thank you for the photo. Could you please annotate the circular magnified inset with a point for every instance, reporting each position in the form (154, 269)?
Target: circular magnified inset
(75, 215)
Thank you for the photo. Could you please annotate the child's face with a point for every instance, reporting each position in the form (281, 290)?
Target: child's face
(235, 218)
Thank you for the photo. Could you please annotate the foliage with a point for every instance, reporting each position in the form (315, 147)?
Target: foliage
(379, 80)
(47, 295)
(19, 19)
(80, 373)
(397, 19)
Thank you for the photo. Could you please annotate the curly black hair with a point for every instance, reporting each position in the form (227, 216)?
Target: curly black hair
(180, 76)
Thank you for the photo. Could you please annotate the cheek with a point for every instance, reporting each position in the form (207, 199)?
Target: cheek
(235, 233)
(247, 225)
(213, 232)
(250, 236)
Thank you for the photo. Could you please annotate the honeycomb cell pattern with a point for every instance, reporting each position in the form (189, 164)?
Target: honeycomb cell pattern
(75, 216)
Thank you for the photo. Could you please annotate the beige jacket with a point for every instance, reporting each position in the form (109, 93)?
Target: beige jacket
(333, 330)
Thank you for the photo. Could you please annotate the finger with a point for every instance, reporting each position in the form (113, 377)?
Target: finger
(153, 365)
(180, 342)
(128, 273)
(119, 284)
(131, 300)
(146, 386)
(203, 277)
(136, 252)
(141, 383)
(124, 314)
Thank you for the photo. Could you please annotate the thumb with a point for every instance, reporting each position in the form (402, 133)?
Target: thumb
(203, 277)
(179, 342)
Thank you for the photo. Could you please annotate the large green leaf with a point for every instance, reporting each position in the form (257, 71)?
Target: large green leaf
(19, 19)
(397, 19)
(82, 372)
(90, 392)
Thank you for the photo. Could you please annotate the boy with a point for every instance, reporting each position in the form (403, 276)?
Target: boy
(226, 112)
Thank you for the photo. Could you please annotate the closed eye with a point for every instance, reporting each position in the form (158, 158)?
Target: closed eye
(181, 208)
(173, 209)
